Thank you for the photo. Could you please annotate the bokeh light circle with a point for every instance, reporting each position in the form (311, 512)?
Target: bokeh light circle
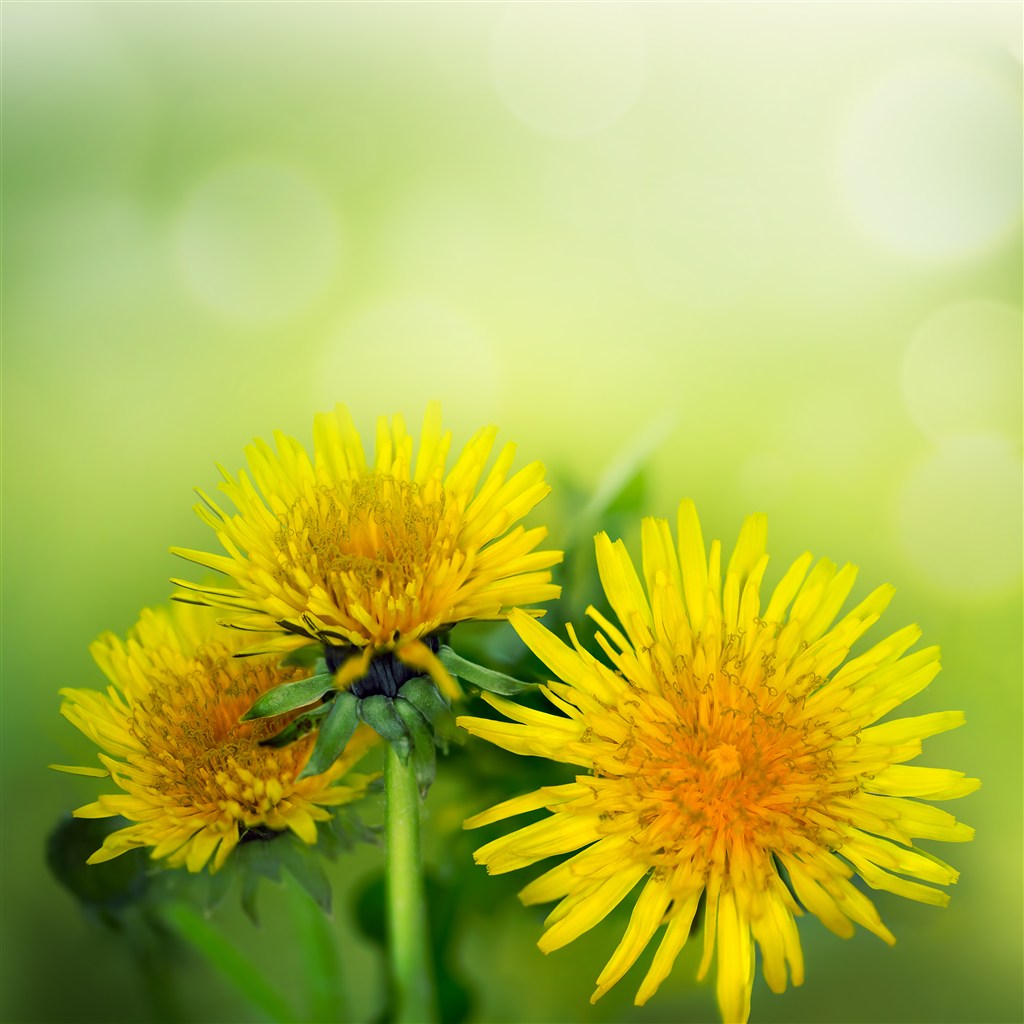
(257, 241)
(959, 516)
(568, 70)
(930, 160)
(962, 370)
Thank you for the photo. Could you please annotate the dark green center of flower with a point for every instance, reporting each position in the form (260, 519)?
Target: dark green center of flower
(386, 674)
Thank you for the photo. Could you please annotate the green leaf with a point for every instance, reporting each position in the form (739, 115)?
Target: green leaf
(108, 887)
(219, 952)
(298, 728)
(303, 864)
(310, 656)
(335, 732)
(485, 678)
(289, 696)
(379, 713)
(423, 695)
(424, 755)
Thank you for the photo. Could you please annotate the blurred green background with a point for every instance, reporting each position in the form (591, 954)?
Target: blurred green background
(774, 251)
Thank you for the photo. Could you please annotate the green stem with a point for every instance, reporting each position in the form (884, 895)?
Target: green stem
(412, 980)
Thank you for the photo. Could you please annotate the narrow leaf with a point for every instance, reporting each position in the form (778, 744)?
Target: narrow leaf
(335, 732)
(379, 713)
(424, 755)
(298, 728)
(250, 981)
(289, 696)
(485, 678)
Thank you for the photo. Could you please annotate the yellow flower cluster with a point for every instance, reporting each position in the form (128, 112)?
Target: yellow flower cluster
(734, 758)
(731, 754)
(192, 778)
(373, 559)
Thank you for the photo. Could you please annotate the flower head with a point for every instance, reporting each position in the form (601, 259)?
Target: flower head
(375, 558)
(731, 754)
(194, 780)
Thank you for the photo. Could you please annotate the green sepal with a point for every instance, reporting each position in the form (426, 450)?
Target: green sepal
(424, 754)
(303, 864)
(379, 713)
(298, 727)
(250, 888)
(334, 733)
(255, 860)
(309, 656)
(485, 678)
(423, 695)
(289, 696)
(213, 889)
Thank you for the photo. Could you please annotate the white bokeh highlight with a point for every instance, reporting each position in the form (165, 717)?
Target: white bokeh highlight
(257, 241)
(962, 370)
(569, 70)
(930, 160)
(958, 517)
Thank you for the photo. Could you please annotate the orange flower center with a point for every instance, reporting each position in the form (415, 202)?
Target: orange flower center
(737, 764)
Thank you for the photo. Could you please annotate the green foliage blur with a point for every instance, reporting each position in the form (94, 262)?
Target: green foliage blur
(766, 256)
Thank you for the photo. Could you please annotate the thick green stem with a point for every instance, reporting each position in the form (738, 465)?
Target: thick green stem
(412, 980)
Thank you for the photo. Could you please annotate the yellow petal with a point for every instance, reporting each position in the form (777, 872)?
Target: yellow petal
(693, 562)
(643, 923)
(70, 769)
(676, 934)
(592, 909)
(735, 962)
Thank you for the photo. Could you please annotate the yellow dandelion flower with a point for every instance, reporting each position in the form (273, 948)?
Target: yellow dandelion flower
(732, 755)
(375, 558)
(193, 780)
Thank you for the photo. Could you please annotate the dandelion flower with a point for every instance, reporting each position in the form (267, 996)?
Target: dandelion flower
(375, 559)
(732, 756)
(194, 780)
